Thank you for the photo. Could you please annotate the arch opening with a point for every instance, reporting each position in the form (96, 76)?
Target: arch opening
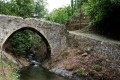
(43, 52)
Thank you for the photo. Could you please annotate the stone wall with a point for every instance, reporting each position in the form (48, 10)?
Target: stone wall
(54, 33)
(107, 49)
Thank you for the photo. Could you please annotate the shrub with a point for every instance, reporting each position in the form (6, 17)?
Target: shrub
(80, 72)
(98, 68)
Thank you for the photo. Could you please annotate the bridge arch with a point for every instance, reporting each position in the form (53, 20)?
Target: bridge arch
(34, 30)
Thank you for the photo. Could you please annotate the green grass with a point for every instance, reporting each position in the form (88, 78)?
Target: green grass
(10, 73)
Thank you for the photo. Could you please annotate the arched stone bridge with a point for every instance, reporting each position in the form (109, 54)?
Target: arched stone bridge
(55, 34)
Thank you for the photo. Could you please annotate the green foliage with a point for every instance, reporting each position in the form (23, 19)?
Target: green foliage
(76, 4)
(98, 68)
(24, 41)
(4, 7)
(15, 75)
(104, 16)
(40, 10)
(60, 15)
(24, 8)
(97, 9)
(65, 14)
(80, 72)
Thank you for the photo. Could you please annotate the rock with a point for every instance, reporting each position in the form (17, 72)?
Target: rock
(85, 54)
(88, 50)
(69, 68)
(32, 59)
(62, 72)
(9, 57)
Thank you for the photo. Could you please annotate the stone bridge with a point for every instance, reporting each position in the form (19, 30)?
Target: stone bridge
(53, 33)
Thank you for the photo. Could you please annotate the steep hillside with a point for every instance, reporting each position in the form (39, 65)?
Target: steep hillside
(74, 24)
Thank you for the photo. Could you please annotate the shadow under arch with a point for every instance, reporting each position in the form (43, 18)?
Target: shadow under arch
(34, 30)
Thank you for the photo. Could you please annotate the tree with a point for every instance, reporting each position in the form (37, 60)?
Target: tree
(104, 16)
(40, 10)
(76, 5)
(24, 8)
(5, 7)
(65, 14)
(60, 15)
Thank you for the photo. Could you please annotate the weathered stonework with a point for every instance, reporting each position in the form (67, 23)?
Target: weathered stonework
(108, 49)
(51, 31)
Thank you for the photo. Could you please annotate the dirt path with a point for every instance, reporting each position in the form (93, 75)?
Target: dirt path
(94, 36)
